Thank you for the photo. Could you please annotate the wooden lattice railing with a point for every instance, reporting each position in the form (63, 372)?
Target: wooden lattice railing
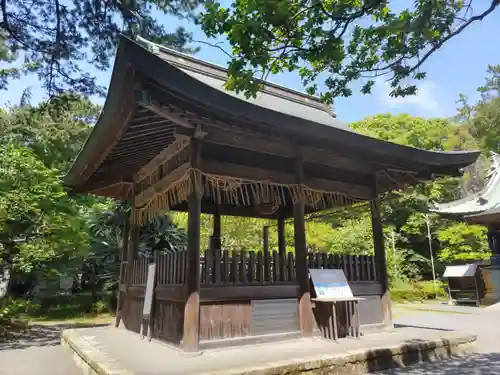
(249, 267)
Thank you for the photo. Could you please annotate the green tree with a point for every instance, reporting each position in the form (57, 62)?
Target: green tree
(54, 130)
(405, 210)
(460, 241)
(58, 39)
(40, 226)
(42, 230)
(337, 41)
(483, 118)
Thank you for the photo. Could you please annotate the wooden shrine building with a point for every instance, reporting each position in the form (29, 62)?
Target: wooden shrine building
(483, 208)
(171, 138)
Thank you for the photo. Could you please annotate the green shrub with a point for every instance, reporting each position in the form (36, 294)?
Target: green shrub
(405, 291)
(99, 307)
(60, 307)
(431, 291)
(11, 309)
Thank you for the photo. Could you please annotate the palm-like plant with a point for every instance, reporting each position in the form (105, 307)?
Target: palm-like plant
(162, 236)
(102, 266)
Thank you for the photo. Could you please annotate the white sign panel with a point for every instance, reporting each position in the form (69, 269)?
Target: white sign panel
(330, 283)
(148, 295)
(466, 270)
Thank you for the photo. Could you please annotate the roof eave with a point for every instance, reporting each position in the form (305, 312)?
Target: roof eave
(178, 82)
(72, 177)
(484, 218)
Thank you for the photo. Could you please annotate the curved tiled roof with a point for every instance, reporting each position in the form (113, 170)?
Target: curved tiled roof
(485, 200)
(198, 86)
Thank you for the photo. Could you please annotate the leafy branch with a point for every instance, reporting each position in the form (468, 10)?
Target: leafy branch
(338, 42)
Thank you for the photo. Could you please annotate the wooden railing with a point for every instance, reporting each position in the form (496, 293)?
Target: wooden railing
(246, 267)
(139, 272)
(171, 268)
(225, 274)
(356, 267)
(249, 267)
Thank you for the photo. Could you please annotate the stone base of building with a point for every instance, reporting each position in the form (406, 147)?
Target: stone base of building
(491, 278)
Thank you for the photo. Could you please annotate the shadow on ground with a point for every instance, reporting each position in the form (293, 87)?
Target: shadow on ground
(38, 335)
(484, 364)
(422, 327)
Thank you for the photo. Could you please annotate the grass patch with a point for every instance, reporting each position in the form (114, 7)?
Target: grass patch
(414, 307)
(90, 319)
(79, 309)
(418, 291)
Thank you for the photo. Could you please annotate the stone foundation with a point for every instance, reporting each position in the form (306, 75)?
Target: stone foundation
(108, 351)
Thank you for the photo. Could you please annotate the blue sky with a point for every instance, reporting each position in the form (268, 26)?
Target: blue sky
(459, 67)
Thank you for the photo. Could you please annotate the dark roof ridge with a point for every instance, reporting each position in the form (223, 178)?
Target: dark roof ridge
(188, 62)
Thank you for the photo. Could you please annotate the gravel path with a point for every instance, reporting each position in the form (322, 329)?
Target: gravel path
(480, 321)
(36, 351)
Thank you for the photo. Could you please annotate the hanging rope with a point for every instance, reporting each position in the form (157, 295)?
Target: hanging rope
(266, 195)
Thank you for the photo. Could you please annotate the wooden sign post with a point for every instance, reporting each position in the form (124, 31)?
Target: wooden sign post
(332, 288)
(148, 301)
(330, 283)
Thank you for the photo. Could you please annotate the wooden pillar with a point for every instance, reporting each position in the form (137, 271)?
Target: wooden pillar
(192, 308)
(123, 264)
(281, 237)
(133, 247)
(265, 239)
(216, 234)
(494, 244)
(381, 261)
(282, 247)
(267, 255)
(302, 272)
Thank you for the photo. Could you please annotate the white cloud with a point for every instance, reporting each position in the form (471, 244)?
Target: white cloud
(424, 101)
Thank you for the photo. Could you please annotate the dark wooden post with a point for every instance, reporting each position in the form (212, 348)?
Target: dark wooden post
(380, 260)
(267, 256)
(302, 272)
(265, 239)
(281, 237)
(192, 307)
(123, 264)
(133, 247)
(215, 243)
(494, 244)
(282, 247)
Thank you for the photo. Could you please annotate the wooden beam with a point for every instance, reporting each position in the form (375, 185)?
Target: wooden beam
(214, 293)
(175, 175)
(258, 174)
(101, 185)
(144, 99)
(191, 337)
(167, 154)
(126, 109)
(266, 144)
(208, 207)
